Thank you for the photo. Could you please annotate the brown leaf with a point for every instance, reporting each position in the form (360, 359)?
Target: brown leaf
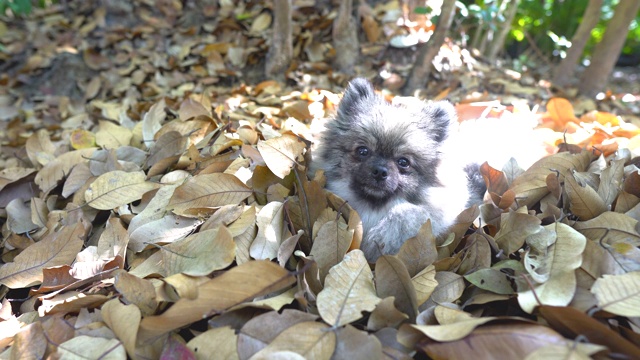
(392, 279)
(235, 286)
(208, 191)
(190, 108)
(134, 290)
(311, 340)
(611, 228)
(495, 180)
(477, 254)
(353, 343)
(117, 188)
(571, 323)
(281, 153)
(57, 248)
(531, 186)
(420, 251)
(54, 171)
(123, 321)
(254, 336)
(584, 201)
(511, 341)
(330, 245)
(449, 289)
(348, 291)
(514, 229)
(386, 315)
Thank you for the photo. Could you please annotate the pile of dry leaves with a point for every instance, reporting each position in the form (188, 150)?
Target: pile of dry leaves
(163, 213)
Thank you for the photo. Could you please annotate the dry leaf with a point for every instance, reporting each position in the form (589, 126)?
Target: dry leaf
(57, 248)
(215, 343)
(117, 188)
(55, 170)
(123, 321)
(619, 294)
(311, 340)
(281, 153)
(331, 244)
(557, 263)
(254, 336)
(420, 251)
(235, 286)
(348, 291)
(584, 201)
(208, 191)
(271, 232)
(392, 279)
(514, 229)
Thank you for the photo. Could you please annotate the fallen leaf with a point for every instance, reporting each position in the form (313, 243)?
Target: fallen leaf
(57, 248)
(281, 153)
(619, 294)
(117, 188)
(348, 291)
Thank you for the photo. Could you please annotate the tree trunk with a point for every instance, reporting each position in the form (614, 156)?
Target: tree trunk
(511, 7)
(281, 49)
(606, 51)
(422, 68)
(345, 38)
(563, 73)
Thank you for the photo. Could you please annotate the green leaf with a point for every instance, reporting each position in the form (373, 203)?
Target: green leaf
(422, 10)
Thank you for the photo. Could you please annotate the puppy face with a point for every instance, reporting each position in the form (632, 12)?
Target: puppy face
(385, 151)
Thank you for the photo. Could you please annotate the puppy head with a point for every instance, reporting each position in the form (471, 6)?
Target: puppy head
(386, 151)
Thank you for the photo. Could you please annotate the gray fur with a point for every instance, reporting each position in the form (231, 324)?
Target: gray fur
(393, 200)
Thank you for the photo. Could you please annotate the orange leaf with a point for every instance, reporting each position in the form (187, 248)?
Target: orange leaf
(561, 111)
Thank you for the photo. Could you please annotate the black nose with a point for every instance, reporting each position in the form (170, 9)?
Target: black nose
(379, 172)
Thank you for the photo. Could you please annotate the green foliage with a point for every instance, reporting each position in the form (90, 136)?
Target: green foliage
(18, 7)
(23, 7)
(550, 23)
(422, 10)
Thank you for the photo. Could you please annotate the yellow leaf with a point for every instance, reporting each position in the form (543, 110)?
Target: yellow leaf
(82, 139)
(112, 136)
(219, 342)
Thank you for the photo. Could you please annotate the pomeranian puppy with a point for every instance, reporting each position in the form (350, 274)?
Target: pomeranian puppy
(390, 163)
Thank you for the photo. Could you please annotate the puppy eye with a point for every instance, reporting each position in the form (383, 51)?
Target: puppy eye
(403, 162)
(362, 151)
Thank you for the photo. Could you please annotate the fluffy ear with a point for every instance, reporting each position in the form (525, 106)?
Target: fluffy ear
(359, 92)
(440, 118)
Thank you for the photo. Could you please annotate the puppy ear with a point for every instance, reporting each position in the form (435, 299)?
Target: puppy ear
(440, 119)
(359, 92)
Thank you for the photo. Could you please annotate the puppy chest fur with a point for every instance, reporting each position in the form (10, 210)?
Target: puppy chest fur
(389, 162)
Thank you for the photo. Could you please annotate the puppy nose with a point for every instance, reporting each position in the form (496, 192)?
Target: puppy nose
(379, 172)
